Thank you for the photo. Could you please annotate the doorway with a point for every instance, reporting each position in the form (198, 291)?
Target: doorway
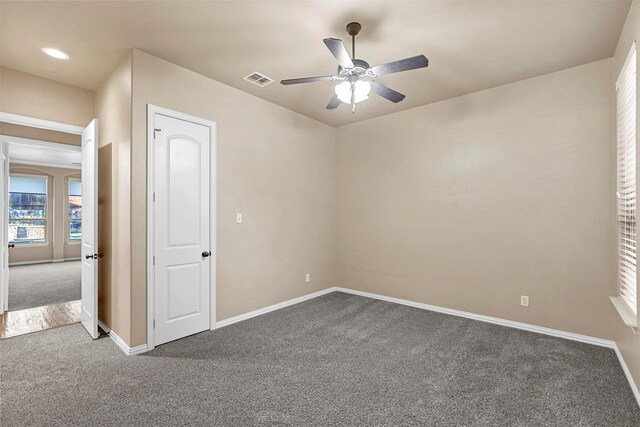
(46, 218)
(181, 229)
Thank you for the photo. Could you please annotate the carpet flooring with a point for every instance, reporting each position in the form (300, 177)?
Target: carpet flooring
(337, 360)
(36, 285)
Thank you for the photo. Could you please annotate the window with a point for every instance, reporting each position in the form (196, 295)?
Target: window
(75, 210)
(626, 129)
(27, 209)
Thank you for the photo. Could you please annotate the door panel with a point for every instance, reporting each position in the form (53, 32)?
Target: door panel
(89, 287)
(185, 204)
(181, 222)
(184, 291)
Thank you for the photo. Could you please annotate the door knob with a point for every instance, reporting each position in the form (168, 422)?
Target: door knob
(11, 245)
(90, 256)
(206, 254)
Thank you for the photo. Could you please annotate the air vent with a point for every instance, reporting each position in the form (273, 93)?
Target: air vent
(258, 79)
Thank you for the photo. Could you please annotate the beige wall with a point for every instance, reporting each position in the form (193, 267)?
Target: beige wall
(57, 246)
(275, 166)
(113, 109)
(466, 203)
(471, 202)
(28, 132)
(29, 95)
(628, 342)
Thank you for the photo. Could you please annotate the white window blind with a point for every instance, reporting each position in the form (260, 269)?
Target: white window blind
(626, 118)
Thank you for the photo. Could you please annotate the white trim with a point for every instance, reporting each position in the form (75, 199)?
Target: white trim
(47, 164)
(33, 122)
(274, 307)
(37, 143)
(511, 324)
(43, 261)
(152, 110)
(495, 320)
(4, 250)
(627, 373)
(129, 351)
(628, 317)
(488, 319)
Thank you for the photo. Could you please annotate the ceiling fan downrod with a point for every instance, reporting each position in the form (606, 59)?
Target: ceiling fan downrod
(353, 28)
(357, 77)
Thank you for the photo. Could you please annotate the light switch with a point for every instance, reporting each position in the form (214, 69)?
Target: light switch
(238, 218)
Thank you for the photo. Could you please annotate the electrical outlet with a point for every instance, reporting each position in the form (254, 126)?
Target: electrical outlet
(307, 278)
(238, 218)
(524, 300)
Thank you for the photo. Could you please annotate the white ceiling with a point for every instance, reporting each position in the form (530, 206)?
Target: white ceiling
(30, 152)
(471, 44)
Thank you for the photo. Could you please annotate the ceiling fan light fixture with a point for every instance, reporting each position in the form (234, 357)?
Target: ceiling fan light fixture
(361, 91)
(356, 74)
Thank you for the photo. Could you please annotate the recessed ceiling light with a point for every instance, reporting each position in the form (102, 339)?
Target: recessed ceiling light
(55, 53)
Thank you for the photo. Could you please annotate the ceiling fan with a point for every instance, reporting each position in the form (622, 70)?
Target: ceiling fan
(356, 76)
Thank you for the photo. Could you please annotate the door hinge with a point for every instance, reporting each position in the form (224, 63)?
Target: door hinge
(154, 323)
(155, 131)
(154, 197)
(154, 260)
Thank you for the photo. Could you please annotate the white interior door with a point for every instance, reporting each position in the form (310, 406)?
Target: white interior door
(182, 215)
(89, 255)
(4, 227)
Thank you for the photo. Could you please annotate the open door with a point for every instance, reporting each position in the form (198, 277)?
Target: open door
(4, 228)
(89, 254)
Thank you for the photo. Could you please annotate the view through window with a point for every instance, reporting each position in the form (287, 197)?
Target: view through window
(75, 210)
(27, 209)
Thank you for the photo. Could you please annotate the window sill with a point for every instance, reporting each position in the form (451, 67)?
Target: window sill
(628, 317)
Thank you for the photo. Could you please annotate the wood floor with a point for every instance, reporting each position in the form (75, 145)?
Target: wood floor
(21, 322)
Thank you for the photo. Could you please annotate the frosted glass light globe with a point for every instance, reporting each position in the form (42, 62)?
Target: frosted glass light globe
(361, 91)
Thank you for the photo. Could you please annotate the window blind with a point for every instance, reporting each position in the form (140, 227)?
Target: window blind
(626, 123)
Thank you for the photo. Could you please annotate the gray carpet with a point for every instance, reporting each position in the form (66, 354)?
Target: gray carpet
(43, 284)
(335, 360)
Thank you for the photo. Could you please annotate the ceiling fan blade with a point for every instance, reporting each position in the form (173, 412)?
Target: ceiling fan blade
(386, 92)
(406, 64)
(334, 103)
(307, 80)
(338, 50)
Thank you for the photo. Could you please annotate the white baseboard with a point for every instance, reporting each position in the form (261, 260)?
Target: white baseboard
(495, 320)
(627, 373)
(43, 261)
(129, 351)
(274, 307)
(511, 324)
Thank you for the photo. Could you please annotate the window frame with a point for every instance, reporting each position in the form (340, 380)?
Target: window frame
(48, 204)
(626, 207)
(67, 222)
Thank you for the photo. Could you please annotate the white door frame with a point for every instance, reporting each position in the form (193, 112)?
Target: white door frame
(40, 123)
(34, 122)
(4, 220)
(152, 110)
